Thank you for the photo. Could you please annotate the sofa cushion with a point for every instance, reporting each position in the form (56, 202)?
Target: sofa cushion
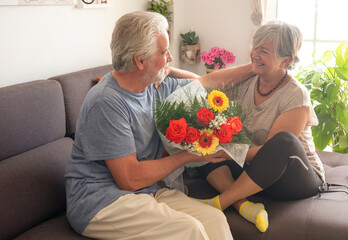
(56, 228)
(32, 187)
(32, 114)
(317, 217)
(75, 87)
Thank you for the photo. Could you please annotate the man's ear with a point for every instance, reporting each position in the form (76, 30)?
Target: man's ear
(139, 62)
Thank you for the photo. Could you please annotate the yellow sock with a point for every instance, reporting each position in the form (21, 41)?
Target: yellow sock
(215, 201)
(255, 213)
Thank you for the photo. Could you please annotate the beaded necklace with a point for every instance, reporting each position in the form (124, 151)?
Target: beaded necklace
(275, 87)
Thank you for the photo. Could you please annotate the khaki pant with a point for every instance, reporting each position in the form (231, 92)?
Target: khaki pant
(170, 214)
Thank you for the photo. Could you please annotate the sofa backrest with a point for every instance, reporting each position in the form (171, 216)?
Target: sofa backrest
(75, 86)
(28, 112)
(33, 155)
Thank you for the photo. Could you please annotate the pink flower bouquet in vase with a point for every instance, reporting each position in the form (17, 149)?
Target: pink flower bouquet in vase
(217, 58)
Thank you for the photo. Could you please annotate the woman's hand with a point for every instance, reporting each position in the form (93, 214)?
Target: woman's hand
(157, 84)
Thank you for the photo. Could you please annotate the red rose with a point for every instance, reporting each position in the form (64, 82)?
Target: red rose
(224, 134)
(192, 135)
(176, 131)
(236, 124)
(204, 116)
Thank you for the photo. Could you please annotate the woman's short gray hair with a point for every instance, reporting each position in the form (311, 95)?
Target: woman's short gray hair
(135, 33)
(287, 39)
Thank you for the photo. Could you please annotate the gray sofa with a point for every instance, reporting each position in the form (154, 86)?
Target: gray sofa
(37, 125)
(37, 122)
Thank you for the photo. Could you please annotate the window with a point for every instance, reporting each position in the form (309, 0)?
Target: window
(323, 24)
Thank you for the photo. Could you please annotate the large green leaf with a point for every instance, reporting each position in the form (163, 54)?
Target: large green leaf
(316, 78)
(342, 72)
(322, 112)
(332, 92)
(342, 146)
(327, 56)
(331, 73)
(340, 150)
(342, 113)
(343, 142)
(342, 55)
(322, 134)
(317, 95)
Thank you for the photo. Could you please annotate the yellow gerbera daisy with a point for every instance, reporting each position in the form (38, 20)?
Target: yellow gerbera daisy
(218, 101)
(207, 142)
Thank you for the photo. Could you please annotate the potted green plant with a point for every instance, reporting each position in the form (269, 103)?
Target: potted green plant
(327, 80)
(162, 7)
(189, 38)
(190, 48)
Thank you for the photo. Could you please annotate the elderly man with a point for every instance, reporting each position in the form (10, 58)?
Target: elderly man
(116, 161)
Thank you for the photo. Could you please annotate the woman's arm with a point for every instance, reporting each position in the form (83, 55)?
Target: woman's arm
(180, 73)
(294, 121)
(225, 77)
(177, 73)
(219, 78)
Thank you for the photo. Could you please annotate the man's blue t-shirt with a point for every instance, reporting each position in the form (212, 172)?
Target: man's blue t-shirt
(113, 123)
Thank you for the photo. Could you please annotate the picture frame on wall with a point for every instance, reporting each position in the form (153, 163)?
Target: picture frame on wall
(35, 2)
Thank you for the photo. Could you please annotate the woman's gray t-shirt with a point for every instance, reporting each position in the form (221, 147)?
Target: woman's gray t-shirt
(260, 118)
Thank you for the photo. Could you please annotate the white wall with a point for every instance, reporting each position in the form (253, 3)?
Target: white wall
(222, 23)
(38, 42)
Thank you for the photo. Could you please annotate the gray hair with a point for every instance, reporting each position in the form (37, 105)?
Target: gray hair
(135, 33)
(287, 40)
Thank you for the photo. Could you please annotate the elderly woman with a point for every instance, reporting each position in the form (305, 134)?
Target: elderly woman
(281, 161)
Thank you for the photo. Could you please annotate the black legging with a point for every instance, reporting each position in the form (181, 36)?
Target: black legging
(281, 168)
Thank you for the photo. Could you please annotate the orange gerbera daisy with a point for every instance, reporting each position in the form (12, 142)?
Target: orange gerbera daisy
(207, 142)
(218, 101)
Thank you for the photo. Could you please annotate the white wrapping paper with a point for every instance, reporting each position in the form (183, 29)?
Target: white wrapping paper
(236, 151)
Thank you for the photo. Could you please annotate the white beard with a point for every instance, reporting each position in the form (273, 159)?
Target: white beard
(159, 77)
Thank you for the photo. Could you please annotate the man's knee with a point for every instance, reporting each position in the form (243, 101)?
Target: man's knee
(216, 225)
(192, 228)
(215, 217)
(219, 219)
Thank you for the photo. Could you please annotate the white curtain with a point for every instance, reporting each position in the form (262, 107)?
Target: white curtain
(262, 11)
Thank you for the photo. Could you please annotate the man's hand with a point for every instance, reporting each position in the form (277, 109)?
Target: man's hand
(215, 157)
(131, 174)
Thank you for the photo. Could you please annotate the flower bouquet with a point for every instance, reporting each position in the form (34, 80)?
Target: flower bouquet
(217, 58)
(201, 122)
